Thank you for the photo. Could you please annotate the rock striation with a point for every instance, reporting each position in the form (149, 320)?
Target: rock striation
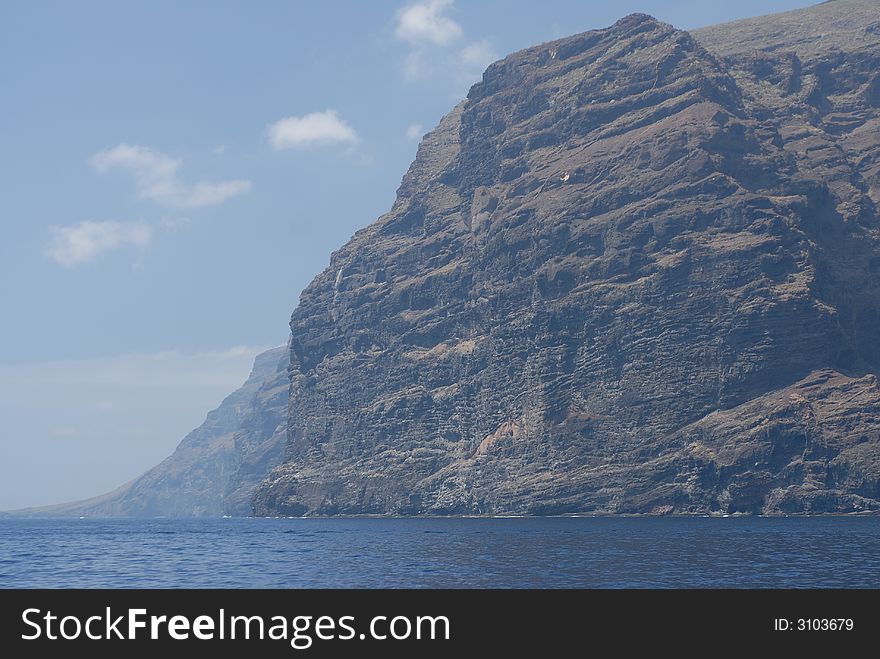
(637, 270)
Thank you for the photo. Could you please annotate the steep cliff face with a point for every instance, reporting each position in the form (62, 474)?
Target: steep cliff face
(216, 468)
(636, 270)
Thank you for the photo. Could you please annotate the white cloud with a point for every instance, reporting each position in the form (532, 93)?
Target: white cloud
(426, 22)
(83, 242)
(430, 34)
(462, 67)
(155, 176)
(312, 129)
(414, 131)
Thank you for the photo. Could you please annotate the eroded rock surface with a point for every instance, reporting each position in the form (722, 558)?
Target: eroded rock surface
(635, 271)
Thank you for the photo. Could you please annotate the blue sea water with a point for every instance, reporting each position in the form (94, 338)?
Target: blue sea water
(543, 553)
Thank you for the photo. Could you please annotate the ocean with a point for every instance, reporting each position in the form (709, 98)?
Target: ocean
(597, 552)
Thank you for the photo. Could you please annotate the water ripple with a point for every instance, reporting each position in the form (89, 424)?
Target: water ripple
(543, 553)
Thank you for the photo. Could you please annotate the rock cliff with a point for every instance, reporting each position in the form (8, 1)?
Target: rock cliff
(637, 270)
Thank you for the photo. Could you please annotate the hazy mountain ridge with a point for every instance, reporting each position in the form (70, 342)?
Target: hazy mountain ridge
(216, 467)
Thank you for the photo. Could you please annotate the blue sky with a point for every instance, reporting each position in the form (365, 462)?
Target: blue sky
(174, 173)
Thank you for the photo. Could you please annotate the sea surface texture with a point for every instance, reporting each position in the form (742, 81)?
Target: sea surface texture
(736, 552)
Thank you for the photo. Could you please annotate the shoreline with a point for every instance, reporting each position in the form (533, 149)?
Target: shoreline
(591, 515)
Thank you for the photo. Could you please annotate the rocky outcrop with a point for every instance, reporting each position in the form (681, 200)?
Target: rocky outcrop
(635, 271)
(217, 466)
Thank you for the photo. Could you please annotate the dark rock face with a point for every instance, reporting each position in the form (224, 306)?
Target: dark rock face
(217, 466)
(637, 270)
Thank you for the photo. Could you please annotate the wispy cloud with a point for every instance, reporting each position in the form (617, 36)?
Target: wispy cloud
(315, 129)
(478, 55)
(473, 60)
(426, 22)
(144, 369)
(81, 243)
(431, 35)
(414, 131)
(155, 176)
(173, 223)
(414, 65)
